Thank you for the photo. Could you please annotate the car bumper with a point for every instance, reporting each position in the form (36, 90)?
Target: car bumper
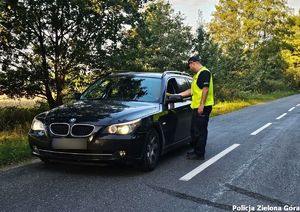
(100, 149)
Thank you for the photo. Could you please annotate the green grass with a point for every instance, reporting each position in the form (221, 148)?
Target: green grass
(251, 99)
(14, 146)
(13, 149)
(269, 97)
(15, 119)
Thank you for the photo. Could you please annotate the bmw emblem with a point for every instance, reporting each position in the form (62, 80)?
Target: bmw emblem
(72, 120)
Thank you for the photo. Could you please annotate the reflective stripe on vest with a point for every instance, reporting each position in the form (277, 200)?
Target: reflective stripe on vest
(197, 92)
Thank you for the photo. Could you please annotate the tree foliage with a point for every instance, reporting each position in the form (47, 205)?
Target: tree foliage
(47, 44)
(161, 41)
(48, 47)
(250, 22)
(250, 33)
(207, 49)
(291, 54)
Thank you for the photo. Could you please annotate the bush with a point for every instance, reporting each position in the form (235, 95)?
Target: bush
(223, 93)
(274, 85)
(14, 117)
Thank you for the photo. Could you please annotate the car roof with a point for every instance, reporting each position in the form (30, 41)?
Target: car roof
(139, 74)
(152, 74)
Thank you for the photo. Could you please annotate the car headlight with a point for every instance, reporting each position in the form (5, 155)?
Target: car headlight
(123, 128)
(37, 125)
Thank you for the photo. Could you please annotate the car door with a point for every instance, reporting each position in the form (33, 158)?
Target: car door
(179, 113)
(184, 111)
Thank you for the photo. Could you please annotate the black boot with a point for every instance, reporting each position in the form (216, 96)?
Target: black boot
(193, 156)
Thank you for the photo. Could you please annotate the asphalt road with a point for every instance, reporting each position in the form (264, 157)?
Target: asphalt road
(263, 170)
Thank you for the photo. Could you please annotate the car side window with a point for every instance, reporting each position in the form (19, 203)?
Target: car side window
(183, 84)
(176, 85)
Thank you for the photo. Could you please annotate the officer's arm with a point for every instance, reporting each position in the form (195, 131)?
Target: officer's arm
(203, 99)
(204, 95)
(185, 93)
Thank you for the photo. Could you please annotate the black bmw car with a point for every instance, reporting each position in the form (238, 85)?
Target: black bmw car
(124, 116)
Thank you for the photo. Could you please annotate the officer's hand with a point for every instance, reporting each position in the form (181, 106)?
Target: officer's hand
(200, 109)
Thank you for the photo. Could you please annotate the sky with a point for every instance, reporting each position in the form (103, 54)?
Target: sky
(190, 8)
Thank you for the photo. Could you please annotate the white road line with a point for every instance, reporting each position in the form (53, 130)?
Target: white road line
(203, 166)
(291, 109)
(279, 117)
(298, 105)
(260, 129)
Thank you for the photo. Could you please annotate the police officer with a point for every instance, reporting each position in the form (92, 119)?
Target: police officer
(202, 101)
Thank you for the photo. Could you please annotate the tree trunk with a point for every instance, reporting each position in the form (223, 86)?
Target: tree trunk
(50, 100)
(59, 88)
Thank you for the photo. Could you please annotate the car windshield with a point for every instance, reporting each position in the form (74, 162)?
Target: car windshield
(125, 88)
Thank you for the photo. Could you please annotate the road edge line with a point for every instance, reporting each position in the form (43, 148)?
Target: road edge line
(203, 166)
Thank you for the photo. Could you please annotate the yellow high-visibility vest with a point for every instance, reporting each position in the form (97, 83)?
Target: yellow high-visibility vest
(197, 92)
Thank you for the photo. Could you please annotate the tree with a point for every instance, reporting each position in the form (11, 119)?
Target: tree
(291, 54)
(209, 52)
(225, 26)
(47, 44)
(159, 42)
(250, 22)
(250, 33)
(267, 67)
(211, 57)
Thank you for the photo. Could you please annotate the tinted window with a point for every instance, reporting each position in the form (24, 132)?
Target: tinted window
(125, 88)
(183, 84)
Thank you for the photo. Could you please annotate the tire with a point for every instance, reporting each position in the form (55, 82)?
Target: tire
(152, 151)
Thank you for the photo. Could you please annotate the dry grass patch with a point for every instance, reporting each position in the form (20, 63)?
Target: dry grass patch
(18, 102)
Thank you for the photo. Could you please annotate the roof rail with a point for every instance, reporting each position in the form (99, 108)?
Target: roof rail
(175, 72)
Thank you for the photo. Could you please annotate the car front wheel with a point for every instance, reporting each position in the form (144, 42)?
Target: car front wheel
(152, 151)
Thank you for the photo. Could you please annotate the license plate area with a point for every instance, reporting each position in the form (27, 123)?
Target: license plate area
(69, 143)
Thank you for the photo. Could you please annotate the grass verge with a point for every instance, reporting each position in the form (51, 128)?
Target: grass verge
(14, 150)
(14, 146)
(252, 99)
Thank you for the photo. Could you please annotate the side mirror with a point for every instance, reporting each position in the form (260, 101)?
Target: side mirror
(77, 95)
(174, 98)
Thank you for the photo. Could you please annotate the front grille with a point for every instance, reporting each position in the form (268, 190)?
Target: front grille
(60, 129)
(82, 130)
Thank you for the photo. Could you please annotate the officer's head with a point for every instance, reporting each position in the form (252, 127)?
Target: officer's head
(194, 64)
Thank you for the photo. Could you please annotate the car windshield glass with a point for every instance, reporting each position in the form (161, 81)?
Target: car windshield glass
(125, 88)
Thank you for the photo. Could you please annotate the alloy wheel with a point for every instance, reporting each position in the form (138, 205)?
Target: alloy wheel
(152, 149)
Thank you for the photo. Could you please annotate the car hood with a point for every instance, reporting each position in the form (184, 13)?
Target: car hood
(100, 112)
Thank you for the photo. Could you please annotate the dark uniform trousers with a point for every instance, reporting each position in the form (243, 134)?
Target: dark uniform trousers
(199, 130)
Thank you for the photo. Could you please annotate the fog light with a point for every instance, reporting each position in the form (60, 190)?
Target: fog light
(41, 133)
(122, 153)
(91, 138)
(35, 149)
